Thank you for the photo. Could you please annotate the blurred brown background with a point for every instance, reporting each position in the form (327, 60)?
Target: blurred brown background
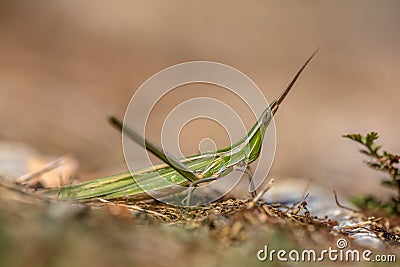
(66, 64)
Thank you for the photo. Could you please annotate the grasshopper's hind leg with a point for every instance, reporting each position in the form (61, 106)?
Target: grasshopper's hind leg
(193, 186)
(246, 170)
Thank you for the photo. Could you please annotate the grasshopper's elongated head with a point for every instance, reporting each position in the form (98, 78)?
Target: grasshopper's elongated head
(275, 106)
(256, 134)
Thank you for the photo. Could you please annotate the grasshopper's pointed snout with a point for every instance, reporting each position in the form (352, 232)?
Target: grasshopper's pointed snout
(290, 85)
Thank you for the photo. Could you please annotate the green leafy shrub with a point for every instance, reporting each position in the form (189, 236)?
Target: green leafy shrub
(382, 161)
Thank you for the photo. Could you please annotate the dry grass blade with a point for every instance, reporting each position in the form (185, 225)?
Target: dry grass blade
(24, 179)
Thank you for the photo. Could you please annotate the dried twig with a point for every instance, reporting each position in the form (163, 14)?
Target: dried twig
(304, 195)
(266, 187)
(340, 205)
(135, 208)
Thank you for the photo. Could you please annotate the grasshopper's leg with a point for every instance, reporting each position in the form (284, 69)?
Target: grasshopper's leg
(246, 170)
(173, 162)
(192, 187)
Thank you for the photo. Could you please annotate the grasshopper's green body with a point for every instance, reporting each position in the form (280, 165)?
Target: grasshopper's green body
(215, 164)
(134, 185)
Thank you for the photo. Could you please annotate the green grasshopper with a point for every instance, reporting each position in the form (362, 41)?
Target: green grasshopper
(186, 172)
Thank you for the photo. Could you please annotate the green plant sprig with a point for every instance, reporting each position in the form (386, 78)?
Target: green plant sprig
(382, 161)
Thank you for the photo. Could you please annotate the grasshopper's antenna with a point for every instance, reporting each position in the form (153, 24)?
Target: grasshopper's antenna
(289, 87)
